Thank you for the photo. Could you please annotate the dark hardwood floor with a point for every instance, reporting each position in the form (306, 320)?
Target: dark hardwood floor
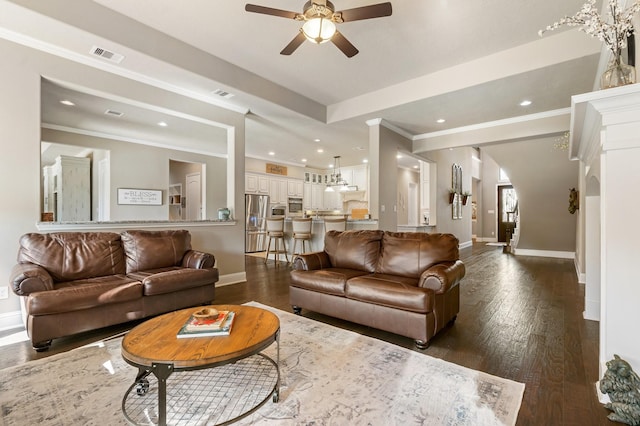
(520, 318)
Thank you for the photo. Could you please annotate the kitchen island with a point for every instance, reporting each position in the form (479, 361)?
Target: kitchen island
(317, 231)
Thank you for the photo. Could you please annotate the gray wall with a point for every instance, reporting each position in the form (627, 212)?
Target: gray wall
(126, 172)
(20, 76)
(542, 176)
(445, 159)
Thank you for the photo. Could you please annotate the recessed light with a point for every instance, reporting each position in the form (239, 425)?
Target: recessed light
(162, 124)
(398, 156)
(304, 160)
(440, 120)
(525, 103)
(67, 102)
(320, 150)
(415, 167)
(272, 153)
(365, 161)
(316, 140)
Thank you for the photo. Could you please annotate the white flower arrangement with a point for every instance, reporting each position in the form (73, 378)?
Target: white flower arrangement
(613, 32)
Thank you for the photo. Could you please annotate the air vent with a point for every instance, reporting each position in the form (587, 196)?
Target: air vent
(223, 94)
(105, 54)
(114, 113)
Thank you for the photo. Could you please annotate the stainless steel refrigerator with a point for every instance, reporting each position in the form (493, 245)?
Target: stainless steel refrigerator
(257, 210)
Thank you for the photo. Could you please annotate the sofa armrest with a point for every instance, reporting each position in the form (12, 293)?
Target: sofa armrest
(28, 278)
(195, 259)
(443, 276)
(311, 261)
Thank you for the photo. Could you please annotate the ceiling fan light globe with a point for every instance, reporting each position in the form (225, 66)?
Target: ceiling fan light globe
(319, 30)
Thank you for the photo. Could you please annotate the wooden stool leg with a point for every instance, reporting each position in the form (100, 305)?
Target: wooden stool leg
(268, 249)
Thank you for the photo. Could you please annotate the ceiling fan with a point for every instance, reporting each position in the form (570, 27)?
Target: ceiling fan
(320, 19)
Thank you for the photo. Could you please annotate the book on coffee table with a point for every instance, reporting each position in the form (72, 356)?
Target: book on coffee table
(210, 323)
(224, 329)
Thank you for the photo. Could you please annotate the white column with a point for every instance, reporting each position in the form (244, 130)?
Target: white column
(605, 133)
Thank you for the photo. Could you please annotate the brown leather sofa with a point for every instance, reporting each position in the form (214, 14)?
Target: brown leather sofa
(404, 283)
(71, 282)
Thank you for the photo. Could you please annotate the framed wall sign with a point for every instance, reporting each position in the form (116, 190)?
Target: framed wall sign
(139, 197)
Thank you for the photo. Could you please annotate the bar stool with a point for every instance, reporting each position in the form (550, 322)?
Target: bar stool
(335, 225)
(275, 232)
(302, 233)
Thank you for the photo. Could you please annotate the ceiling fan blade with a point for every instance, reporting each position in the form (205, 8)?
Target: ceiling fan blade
(294, 44)
(270, 11)
(343, 44)
(366, 12)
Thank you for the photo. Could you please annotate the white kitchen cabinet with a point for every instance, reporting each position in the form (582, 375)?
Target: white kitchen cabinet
(306, 197)
(72, 189)
(332, 200)
(250, 184)
(256, 184)
(360, 177)
(295, 188)
(278, 191)
(317, 197)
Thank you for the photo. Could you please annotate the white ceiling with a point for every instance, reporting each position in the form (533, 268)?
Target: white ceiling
(468, 62)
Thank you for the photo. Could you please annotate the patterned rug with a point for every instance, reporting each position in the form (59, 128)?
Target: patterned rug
(329, 376)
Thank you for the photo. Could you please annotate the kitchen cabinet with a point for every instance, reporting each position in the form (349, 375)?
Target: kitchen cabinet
(313, 197)
(278, 191)
(360, 177)
(70, 182)
(332, 200)
(295, 188)
(256, 184)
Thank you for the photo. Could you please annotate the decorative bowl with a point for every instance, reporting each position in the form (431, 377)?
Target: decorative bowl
(206, 314)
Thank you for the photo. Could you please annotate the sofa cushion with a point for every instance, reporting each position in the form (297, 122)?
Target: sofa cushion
(169, 280)
(392, 291)
(410, 253)
(84, 294)
(145, 250)
(357, 250)
(70, 256)
(328, 280)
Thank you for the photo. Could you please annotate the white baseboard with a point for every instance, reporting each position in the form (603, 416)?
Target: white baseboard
(228, 279)
(11, 320)
(486, 240)
(582, 277)
(465, 244)
(591, 310)
(544, 253)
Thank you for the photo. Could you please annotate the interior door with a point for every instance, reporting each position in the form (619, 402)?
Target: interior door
(194, 197)
(507, 202)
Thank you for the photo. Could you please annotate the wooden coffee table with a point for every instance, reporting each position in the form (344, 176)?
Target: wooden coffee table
(153, 348)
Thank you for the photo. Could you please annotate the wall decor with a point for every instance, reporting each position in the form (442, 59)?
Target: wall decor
(139, 197)
(456, 189)
(276, 169)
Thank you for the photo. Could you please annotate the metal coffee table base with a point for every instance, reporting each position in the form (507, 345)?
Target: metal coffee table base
(218, 395)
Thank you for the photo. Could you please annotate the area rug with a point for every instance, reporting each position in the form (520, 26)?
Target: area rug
(329, 376)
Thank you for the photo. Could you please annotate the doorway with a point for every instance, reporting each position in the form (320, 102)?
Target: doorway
(507, 212)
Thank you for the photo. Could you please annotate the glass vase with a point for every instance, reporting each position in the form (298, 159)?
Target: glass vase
(618, 74)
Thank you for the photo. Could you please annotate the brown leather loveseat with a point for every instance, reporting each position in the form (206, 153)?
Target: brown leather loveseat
(71, 282)
(404, 283)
